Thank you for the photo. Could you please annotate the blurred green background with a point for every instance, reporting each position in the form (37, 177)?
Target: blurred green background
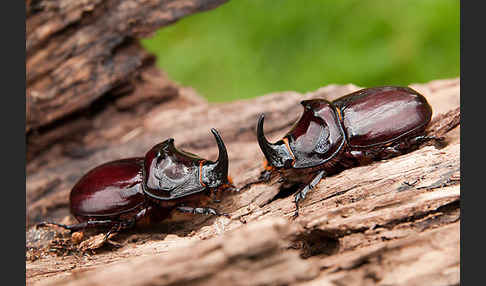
(246, 48)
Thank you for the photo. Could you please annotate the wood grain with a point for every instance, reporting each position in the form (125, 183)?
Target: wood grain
(84, 57)
(393, 222)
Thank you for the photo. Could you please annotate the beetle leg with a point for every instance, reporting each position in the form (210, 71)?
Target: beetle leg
(232, 188)
(78, 226)
(113, 229)
(410, 144)
(204, 210)
(119, 225)
(438, 141)
(390, 151)
(302, 193)
(264, 178)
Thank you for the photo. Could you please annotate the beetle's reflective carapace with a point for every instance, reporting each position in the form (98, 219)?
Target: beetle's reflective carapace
(144, 190)
(366, 125)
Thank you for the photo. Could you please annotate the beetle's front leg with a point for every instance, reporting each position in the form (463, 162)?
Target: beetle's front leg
(201, 210)
(302, 193)
(264, 177)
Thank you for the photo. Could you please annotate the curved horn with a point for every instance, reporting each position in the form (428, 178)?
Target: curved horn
(262, 141)
(275, 153)
(215, 174)
(222, 162)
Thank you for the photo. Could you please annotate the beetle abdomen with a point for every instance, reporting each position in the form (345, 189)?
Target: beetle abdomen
(376, 116)
(109, 189)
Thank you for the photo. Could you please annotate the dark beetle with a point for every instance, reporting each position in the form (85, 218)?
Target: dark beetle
(126, 192)
(366, 125)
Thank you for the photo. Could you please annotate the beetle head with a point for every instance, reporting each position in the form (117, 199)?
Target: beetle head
(314, 139)
(215, 174)
(277, 154)
(170, 172)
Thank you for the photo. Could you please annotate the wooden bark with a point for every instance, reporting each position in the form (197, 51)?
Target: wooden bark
(393, 222)
(86, 71)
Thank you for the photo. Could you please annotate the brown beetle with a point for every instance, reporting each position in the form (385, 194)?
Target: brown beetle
(126, 192)
(369, 124)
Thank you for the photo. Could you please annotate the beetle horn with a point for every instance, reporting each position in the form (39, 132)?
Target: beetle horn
(215, 174)
(222, 162)
(275, 153)
(262, 141)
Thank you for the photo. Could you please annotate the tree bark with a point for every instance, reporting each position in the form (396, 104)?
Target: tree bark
(94, 95)
(86, 71)
(393, 222)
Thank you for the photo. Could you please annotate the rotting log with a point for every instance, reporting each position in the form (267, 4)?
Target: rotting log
(86, 72)
(94, 95)
(393, 222)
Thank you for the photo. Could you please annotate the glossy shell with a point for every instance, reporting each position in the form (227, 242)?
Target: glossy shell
(171, 173)
(109, 189)
(366, 119)
(317, 136)
(376, 116)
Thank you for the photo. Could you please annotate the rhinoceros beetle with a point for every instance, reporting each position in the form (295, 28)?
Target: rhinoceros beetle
(126, 192)
(369, 124)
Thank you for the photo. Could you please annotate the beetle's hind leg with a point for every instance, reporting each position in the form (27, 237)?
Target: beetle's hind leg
(201, 210)
(116, 225)
(408, 145)
(79, 226)
(437, 141)
(302, 193)
(116, 228)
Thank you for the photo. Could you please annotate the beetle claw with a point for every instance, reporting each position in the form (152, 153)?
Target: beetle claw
(265, 176)
(232, 189)
(296, 214)
(297, 198)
